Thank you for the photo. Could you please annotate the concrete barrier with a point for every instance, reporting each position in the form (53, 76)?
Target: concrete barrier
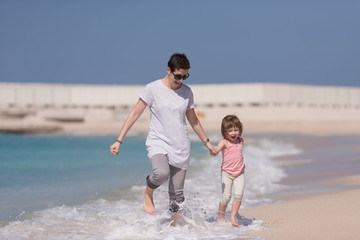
(60, 95)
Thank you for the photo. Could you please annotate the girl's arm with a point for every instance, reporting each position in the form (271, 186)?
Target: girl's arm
(135, 113)
(221, 146)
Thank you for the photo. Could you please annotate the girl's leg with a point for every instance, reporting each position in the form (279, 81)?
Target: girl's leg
(234, 210)
(160, 173)
(226, 188)
(239, 184)
(222, 210)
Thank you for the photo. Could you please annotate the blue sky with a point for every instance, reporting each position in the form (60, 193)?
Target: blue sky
(130, 41)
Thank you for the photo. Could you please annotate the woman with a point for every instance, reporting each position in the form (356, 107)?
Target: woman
(168, 143)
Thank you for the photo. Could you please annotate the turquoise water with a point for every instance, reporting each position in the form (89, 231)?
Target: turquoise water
(41, 171)
(71, 187)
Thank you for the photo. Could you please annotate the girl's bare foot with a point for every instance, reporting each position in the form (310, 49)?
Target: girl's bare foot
(222, 210)
(234, 211)
(149, 206)
(234, 223)
(221, 217)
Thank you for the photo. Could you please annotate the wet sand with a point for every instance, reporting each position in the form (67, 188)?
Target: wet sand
(322, 197)
(325, 216)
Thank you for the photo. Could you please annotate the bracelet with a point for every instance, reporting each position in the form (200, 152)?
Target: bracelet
(206, 141)
(118, 141)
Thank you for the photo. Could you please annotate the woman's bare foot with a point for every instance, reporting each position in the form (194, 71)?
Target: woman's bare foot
(175, 218)
(149, 206)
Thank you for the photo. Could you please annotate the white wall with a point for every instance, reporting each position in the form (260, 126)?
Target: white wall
(21, 94)
(67, 95)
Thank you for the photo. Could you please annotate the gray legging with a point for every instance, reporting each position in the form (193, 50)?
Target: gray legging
(161, 171)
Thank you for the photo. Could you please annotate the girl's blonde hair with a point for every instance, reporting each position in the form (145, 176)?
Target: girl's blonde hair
(230, 121)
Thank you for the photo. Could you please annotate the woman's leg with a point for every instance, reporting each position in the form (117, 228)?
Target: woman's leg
(149, 206)
(160, 173)
(176, 193)
(176, 188)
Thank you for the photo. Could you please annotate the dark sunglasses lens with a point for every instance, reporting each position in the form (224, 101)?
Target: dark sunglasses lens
(178, 76)
(186, 76)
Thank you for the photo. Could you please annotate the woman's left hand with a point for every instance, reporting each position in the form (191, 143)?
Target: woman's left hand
(211, 148)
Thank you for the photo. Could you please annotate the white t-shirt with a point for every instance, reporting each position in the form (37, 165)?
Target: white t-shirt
(168, 133)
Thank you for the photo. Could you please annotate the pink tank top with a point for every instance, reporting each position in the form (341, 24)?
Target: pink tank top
(233, 160)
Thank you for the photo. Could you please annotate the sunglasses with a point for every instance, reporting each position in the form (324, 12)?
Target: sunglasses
(178, 76)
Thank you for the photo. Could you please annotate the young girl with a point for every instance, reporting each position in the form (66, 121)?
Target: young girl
(233, 166)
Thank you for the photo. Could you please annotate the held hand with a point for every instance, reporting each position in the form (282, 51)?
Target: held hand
(114, 149)
(212, 149)
(212, 153)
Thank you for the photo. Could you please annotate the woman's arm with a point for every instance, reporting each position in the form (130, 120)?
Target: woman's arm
(196, 125)
(134, 114)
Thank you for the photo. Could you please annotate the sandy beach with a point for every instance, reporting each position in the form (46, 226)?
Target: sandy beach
(325, 216)
(327, 207)
(299, 127)
(321, 213)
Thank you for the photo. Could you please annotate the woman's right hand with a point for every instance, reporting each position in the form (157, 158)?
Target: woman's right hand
(115, 148)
